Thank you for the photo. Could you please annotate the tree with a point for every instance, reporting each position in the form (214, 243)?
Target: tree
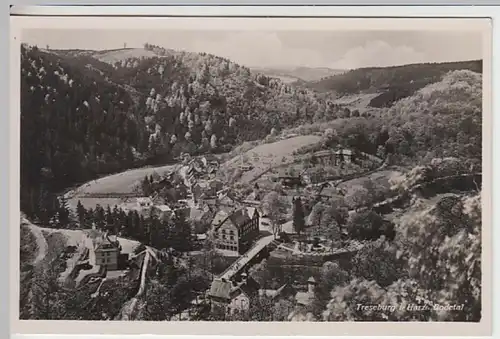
(316, 214)
(444, 255)
(331, 276)
(348, 301)
(365, 225)
(48, 299)
(333, 233)
(378, 261)
(276, 207)
(146, 186)
(158, 305)
(298, 216)
(80, 211)
(261, 274)
(358, 198)
(63, 213)
(180, 234)
(282, 309)
(328, 224)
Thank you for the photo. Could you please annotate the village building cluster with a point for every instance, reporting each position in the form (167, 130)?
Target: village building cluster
(194, 192)
(233, 225)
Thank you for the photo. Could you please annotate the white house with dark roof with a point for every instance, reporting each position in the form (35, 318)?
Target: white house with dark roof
(107, 252)
(164, 211)
(144, 202)
(307, 297)
(233, 296)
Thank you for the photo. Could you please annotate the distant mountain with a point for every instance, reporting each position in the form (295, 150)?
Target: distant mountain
(299, 74)
(394, 82)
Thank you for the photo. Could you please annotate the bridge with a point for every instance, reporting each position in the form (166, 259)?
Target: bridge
(246, 258)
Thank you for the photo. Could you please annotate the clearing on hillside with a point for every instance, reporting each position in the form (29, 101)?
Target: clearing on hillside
(360, 102)
(111, 57)
(263, 157)
(124, 182)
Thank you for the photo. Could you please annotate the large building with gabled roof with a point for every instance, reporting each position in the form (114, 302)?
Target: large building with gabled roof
(235, 229)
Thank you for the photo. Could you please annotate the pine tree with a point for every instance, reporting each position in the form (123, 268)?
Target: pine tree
(100, 217)
(180, 234)
(80, 211)
(298, 216)
(146, 186)
(110, 221)
(63, 213)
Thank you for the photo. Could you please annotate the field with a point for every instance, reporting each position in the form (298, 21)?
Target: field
(381, 179)
(123, 182)
(360, 102)
(269, 155)
(122, 54)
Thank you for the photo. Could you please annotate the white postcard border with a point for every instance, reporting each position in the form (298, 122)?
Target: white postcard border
(233, 328)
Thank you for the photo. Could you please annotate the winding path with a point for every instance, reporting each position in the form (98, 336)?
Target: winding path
(40, 241)
(130, 306)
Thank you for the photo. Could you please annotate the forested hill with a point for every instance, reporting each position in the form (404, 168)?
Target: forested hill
(75, 124)
(395, 82)
(89, 113)
(204, 95)
(84, 114)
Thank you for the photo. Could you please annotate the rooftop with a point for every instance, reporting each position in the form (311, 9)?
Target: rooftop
(239, 218)
(220, 289)
(220, 217)
(104, 244)
(251, 211)
(304, 298)
(311, 280)
(163, 208)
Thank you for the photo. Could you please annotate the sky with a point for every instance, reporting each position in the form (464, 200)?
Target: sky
(267, 49)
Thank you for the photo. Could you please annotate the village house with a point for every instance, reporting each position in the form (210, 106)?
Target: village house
(164, 212)
(209, 160)
(173, 194)
(235, 230)
(246, 167)
(208, 200)
(185, 156)
(201, 218)
(182, 211)
(307, 297)
(142, 206)
(291, 180)
(201, 187)
(334, 158)
(144, 203)
(107, 253)
(343, 156)
(226, 200)
(195, 169)
(216, 185)
(233, 297)
(207, 188)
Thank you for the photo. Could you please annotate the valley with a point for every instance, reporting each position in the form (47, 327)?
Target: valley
(206, 183)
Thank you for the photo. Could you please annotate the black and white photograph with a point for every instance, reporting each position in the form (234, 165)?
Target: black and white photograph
(238, 175)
